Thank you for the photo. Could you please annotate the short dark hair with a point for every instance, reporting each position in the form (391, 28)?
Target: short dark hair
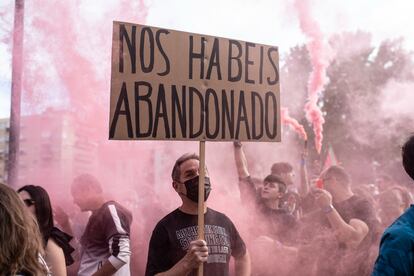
(408, 156)
(339, 173)
(43, 209)
(271, 178)
(87, 181)
(280, 168)
(175, 174)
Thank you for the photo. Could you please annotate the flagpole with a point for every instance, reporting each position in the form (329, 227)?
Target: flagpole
(16, 88)
(201, 197)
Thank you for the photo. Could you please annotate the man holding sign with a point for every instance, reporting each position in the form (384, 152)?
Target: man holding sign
(172, 85)
(174, 248)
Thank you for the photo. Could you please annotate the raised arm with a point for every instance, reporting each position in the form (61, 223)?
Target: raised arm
(63, 220)
(304, 180)
(351, 233)
(246, 185)
(241, 161)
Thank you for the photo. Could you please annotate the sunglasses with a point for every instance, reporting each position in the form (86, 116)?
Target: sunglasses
(29, 202)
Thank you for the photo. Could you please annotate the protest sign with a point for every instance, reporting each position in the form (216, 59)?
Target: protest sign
(172, 85)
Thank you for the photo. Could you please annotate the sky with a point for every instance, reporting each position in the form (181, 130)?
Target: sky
(260, 21)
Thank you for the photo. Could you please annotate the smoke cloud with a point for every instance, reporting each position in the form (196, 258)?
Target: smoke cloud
(66, 92)
(319, 55)
(286, 119)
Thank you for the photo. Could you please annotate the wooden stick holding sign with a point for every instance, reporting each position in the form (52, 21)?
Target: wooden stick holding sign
(201, 204)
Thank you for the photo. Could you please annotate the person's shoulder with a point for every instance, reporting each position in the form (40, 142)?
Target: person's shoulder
(399, 233)
(58, 234)
(360, 204)
(215, 212)
(110, 205)
(164, 224)
(54, 251)
(218, 215)
(172, 216)
(409, 211)
(113, 203)
(63, 239)
(52, 246)
(358, 200)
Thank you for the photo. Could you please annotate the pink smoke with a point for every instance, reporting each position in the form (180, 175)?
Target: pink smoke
(286, 119)
(67, 62)
(319, 55)
(4, 21)
(76, 52)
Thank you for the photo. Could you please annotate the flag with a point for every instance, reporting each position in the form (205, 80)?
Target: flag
(330, 159)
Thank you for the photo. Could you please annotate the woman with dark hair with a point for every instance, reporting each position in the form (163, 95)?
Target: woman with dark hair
(55, 242)
(20, 241)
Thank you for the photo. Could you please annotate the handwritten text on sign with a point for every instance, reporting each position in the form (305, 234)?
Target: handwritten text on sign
(171, 85)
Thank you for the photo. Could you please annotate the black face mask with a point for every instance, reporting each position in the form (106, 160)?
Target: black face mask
(192, 188)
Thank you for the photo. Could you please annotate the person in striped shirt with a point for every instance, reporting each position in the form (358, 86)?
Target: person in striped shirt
(106, 240)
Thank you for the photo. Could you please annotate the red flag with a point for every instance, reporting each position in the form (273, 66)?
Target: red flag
(330, 159)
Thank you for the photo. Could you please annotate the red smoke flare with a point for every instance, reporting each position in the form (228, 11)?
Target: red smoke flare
(286, 119)
(319, 55)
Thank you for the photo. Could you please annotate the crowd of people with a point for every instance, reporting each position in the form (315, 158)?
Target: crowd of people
(323, 225)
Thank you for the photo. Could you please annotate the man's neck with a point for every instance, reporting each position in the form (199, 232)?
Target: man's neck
(342, 195)
(97, 203)
(191, 208)
(272, 203)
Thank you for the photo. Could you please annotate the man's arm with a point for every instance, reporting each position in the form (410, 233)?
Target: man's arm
(241, 161)
(304, 181)
(243, 265)
(351, 234)
(63, 220)
(246, 185)
(106, 269)
(116, 226)
(120, 255)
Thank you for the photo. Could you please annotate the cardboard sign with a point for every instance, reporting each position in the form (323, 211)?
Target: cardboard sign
(171, 85)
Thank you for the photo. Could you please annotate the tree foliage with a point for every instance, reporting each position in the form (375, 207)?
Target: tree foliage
(358, 122)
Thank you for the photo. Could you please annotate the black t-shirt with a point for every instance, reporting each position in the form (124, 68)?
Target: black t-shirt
(357, 207)
(336, 258)
(172, 236)
(278, 224)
